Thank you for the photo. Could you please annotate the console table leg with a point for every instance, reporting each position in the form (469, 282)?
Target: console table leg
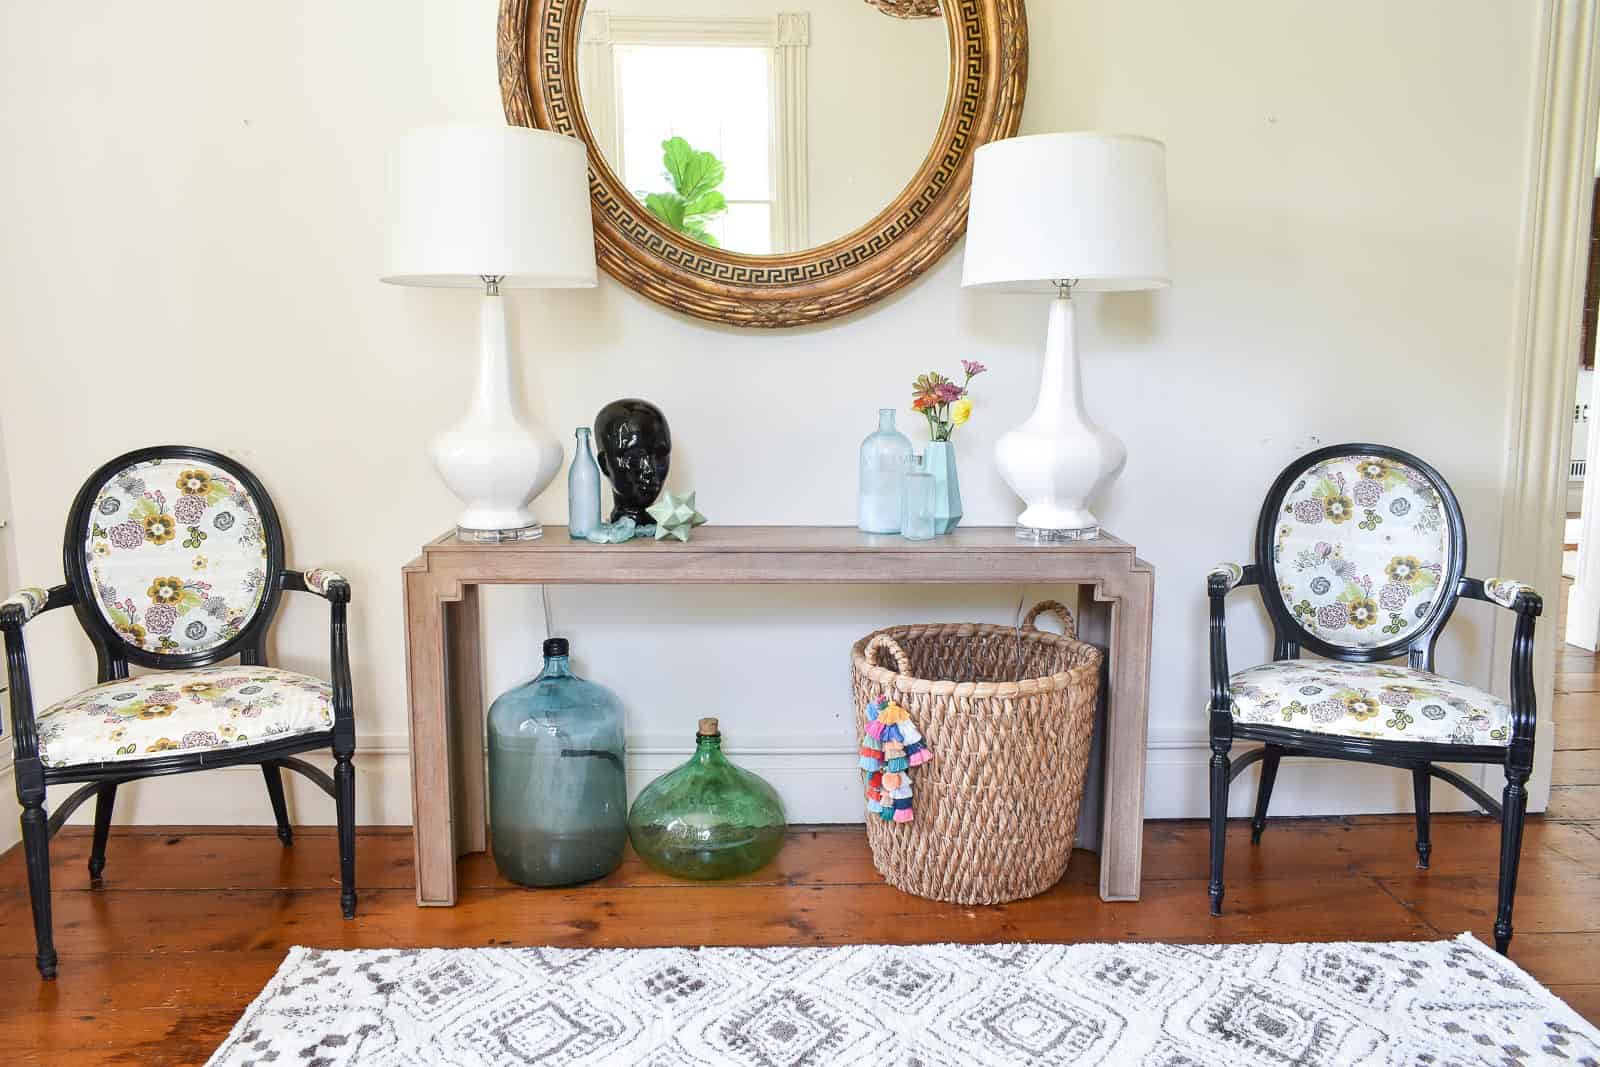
(433, 828)
(1122, 846)
(465, 661)
(1094, 627)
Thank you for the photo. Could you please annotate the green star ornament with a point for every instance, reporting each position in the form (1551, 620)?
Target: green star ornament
(675, 516)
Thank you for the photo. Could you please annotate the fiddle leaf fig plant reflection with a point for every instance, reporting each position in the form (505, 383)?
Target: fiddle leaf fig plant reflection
(694, 200)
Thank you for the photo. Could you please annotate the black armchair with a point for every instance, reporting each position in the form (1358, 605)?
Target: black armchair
(174, 560)
(1360, 554)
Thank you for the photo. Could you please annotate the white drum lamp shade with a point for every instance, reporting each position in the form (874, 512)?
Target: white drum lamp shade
(1057, 213)
(491, 207)
(467, 202)
(1086, 207)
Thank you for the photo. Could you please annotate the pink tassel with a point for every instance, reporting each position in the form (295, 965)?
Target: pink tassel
(902, 815)
(919, 757)
(875, 728)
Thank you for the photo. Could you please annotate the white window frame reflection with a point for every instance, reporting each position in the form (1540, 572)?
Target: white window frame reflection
(787, 38)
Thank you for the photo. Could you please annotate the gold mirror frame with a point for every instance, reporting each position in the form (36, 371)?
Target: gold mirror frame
(538, 48)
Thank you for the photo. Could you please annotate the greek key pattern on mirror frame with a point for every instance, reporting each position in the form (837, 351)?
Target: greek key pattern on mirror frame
(986, 105)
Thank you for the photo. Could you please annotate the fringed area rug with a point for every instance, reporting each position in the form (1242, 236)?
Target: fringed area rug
(1440, 1003)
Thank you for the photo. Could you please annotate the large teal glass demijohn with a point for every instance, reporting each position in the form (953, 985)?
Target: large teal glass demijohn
(558, 796)
(708, 818)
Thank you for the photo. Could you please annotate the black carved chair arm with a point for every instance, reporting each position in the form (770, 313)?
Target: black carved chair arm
(1523, 599)
(1220, 581)
(335, 589)
(16, 611)
(328, 584)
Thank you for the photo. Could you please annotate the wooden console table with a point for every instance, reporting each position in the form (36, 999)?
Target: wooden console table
(445, 676)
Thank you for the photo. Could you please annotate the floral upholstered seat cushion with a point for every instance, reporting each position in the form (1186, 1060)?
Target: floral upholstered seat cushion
(182, 711)
(1369, 700)
(1360, 549)
(177, 553)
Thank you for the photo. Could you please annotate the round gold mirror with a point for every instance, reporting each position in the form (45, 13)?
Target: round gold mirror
(770, 163)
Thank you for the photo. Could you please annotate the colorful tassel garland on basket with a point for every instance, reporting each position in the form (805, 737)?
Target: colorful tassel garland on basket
(890, 747)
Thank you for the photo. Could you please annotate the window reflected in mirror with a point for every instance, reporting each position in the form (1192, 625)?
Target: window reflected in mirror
(758, 130)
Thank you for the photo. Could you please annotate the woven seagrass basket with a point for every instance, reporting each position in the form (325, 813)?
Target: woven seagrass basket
(1009, 716)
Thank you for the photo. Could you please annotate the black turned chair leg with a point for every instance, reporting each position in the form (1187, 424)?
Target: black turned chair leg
(104, 800)
(36, 851)
(344, 780)
(1514, 809)
(1220, 771)
(1269, 777)
(1422, 786)
(280, 808)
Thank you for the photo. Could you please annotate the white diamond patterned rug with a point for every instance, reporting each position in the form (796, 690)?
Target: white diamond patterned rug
(1440, 1003)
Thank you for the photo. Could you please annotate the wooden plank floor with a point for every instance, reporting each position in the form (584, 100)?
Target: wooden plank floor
(190, 923)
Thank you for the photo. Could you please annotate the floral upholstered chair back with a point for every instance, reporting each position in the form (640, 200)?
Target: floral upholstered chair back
(179, 555)
(1364, 548)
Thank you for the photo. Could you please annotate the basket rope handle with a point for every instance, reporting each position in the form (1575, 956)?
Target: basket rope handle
(902, 662)
(1052, 607)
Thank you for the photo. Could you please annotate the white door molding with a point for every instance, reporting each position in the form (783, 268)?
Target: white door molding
(1548, 297)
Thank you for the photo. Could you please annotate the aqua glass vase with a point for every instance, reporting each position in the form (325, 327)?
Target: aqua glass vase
(558, 796)
(885, 456)
(708, 818)
(940, 462)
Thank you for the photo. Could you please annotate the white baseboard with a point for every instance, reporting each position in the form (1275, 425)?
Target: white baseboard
(10, 813)
(1583, 617)
(1178, 784)
(815, 774)
(237, 796)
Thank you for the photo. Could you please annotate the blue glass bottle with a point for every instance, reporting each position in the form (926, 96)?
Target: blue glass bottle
(885, 456)
(558, 797)
(583, 489)
(917, 503)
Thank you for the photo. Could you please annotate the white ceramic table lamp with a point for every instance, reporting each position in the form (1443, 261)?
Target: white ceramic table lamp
(1058, 213)
(492, 207)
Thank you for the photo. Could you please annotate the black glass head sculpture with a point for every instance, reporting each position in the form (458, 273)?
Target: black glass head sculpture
(634, 448)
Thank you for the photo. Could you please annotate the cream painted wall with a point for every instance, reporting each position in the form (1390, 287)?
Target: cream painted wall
(190, 254)
(10, 828)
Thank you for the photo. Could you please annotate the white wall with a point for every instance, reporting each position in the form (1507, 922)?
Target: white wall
(10, 828)
(193, 235)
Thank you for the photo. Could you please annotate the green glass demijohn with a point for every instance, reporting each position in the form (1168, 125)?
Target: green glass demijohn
(708, 818)
(558, 795)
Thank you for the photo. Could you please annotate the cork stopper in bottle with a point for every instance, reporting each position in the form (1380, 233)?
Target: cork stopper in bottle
(708, 728)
